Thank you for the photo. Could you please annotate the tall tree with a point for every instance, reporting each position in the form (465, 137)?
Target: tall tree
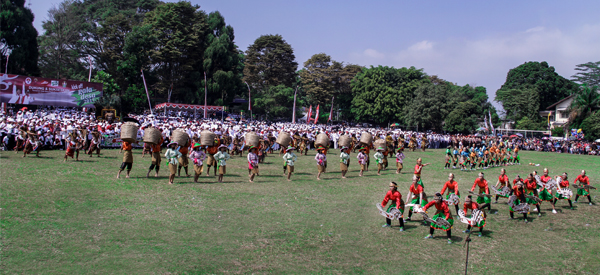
(318, 79)
(104, 29)
(381, 93)
(588, 73)
(270, 61)
(519, 103)
(430, 106)
(59, 56)
(463, 119)
(18, 38)
(540, 76)
(585, 103)
(176, 37)
(221, 61)
(276, 102)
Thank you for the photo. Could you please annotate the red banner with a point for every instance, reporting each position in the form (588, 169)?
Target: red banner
(18, 89)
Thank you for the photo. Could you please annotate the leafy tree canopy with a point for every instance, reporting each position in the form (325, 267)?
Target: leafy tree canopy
(18, 38)
(270, 61)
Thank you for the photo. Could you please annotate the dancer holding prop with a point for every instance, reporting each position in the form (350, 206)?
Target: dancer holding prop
(483, 189)
(544, 188)
(289, 158)
(517, 201)
(504, 185)
(584, 187)
(531, 193)
(562, 190)
(453, 196)
(419, 168)
(443, 212)
(478, 215)
(396, 208)
(416, 195)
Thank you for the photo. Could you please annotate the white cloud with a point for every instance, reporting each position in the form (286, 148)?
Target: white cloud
(373, 54)
(487, 60)
(421, 46)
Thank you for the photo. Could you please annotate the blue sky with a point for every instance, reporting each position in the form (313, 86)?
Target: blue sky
(465, 42)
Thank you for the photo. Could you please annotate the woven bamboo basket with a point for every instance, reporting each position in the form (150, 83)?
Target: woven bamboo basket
(180, 136)
(152, 135)
(379, 143)
(345, 141)
(129, 132)
(207, 138)
(322, 139)
(252, 139)
(366, 138)
(284, 139)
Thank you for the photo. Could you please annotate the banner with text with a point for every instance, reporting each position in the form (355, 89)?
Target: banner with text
(18, 89)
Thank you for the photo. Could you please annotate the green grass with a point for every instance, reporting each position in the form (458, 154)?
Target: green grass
(76, 217)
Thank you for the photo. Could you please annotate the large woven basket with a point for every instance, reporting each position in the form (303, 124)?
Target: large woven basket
(129, 132)
(345, 141)
(181, 137)
(252, 139)
(207, 138)
(379, 143)
(322, 139)
(366, 138)
(152, 135)
(284, 139)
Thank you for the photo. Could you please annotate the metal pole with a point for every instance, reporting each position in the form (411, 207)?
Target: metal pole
(90, 75)
(205, 93)
(148, 95)
(6, 69)
(467, 241)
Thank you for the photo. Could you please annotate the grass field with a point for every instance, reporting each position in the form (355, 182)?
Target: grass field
(76, 217)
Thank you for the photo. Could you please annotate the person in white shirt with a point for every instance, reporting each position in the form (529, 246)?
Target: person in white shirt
(289, 158)
(221, 158)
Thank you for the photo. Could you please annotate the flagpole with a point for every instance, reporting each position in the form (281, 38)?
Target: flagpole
(90, 75)
(249, 100)
(294, 111)
(148, 95)
(205, 93)
(331, 110)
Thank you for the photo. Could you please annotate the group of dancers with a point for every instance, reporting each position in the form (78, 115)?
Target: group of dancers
(481, 157)
(521, 195)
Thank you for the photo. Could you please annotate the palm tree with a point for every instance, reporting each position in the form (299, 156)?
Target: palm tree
(585, 103)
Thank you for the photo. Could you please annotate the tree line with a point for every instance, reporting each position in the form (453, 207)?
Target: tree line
(178, 46)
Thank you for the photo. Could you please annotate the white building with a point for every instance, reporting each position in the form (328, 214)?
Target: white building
(558, 112)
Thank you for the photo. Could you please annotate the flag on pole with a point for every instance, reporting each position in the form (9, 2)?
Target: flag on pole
(331, 110)
(317, 115)
(485, 122)
(309, 114)
(294, 111)
(491, 124)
